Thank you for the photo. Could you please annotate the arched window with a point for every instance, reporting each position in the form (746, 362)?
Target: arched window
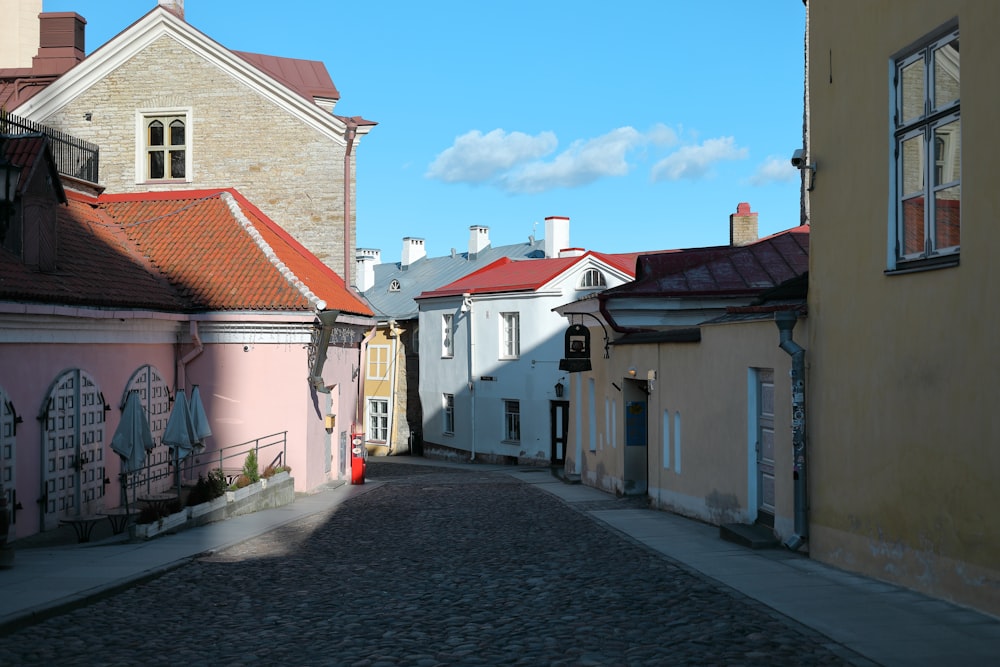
(394, 286)
(592, 278)
(165, 147)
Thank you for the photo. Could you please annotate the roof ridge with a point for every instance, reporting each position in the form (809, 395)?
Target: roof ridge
(272, 256)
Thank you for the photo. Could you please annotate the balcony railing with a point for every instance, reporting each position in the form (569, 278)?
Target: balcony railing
(74, 157)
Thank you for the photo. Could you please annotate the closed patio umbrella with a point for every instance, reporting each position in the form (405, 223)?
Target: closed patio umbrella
(179, 433)
(199, 420)
(132, 438)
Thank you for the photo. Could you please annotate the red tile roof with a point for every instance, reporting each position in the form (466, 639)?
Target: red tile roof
(525, 275)
(179, 251)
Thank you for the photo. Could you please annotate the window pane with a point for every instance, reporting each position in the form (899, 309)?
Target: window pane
(913, 226)
(946, 74)
(912, 150)
(947, 217)
(176, 164)
(912, 90)
(156, 164)
(156, 133)
(948, 153)
(177, 133)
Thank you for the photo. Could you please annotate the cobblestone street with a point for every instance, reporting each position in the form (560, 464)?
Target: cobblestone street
(435, 567)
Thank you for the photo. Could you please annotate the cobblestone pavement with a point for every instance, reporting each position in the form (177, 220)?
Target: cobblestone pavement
(434, 567)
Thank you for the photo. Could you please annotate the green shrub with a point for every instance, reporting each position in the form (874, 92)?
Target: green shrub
(250, 467)
(208, 488)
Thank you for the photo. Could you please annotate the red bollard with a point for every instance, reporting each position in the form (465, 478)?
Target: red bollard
(358, 456)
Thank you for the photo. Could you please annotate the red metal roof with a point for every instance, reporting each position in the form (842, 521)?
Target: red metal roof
(525, 275)
(179, 251)
(721, 270)
(308, 78)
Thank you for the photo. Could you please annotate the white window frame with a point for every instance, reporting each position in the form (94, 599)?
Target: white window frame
(510, 335)
(378, 420)
(447, 336)
(511, 420)
(378, 362)
(924, 127)
(448, 414)
(592, 279)
(144, 116)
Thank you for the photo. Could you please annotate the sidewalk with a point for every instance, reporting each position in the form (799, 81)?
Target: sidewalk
(885, 624)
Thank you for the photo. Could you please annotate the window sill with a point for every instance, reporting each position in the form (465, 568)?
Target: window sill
(920, 265)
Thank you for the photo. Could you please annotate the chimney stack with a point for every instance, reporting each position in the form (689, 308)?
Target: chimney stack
(61, 37)
(742, 226)
(413, 249)
(175, 7)
(479, 240)
(556, 235)
(366, 259)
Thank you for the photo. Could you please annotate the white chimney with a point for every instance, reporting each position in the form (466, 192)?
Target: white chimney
(413, 249)
(175, 7)
(572, 252)
(556, 235)
(479, 240)
(365, 261)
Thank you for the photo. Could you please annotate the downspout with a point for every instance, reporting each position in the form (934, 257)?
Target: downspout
(349, 135)
(786, 319)
(182, 362)
(359, 417)
(467, 307)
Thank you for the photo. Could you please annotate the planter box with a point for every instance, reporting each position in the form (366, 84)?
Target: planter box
(166, 524)
(213, 510)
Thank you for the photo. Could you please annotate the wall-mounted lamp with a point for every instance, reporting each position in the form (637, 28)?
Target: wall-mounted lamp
(631, 372)
(88, 116)
(560, 389)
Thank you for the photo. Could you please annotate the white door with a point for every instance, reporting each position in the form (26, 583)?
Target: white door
(765, 446)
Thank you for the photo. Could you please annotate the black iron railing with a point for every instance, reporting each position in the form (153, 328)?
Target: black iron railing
(73, 156)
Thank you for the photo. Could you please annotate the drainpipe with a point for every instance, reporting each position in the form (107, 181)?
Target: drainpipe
(182, 362)
(349, 135)
(467, 307)
(785, 320)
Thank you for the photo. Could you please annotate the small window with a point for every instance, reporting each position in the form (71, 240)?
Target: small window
(378, 419)
(927, 161)
(448, 410)
(511, 346)
(378, 362)
(447, 336)
(592, 278)
(164, 146)
(512, 421)
(394, 285)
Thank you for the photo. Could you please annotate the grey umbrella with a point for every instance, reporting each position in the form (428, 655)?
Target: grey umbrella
(132, 438)
(198, 418)
(179, 433)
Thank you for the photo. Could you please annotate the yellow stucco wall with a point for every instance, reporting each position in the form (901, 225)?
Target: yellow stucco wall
(904, 369)
(707, 384)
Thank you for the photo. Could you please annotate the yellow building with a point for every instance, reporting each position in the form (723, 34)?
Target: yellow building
(904, 365)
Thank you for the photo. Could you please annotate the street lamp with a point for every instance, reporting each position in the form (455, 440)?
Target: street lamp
(10, 174)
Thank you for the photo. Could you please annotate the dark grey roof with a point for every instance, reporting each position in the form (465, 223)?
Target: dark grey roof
(428, 273)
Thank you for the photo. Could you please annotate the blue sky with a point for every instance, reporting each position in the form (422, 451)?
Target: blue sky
(645, 123)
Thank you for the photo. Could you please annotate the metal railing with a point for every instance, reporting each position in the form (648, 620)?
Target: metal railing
(230, 460)
(73, 156)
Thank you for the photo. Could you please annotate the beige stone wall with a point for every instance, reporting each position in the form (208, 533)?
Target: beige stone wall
(905, 369)
(239, 139)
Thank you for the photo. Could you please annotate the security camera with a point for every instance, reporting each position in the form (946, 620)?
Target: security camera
(799, 158)
(246, 348)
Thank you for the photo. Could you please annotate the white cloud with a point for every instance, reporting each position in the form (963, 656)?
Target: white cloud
(773, 170)
(476, 157)
(695, 162)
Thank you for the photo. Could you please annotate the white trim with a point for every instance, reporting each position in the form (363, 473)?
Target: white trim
(141, 117)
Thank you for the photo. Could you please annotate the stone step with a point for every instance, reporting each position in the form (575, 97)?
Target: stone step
(754, 536)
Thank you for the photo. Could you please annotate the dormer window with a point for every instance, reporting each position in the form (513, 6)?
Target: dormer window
(592, 278)
(394, 286)
(164, 148)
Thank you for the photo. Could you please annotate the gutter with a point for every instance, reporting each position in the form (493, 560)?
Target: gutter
(349, 134)
(467, 307)
(785, 320)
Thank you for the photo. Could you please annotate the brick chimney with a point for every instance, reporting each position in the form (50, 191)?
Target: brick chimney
(479, 240)
(742, 226)
(175, 7)
(413, 249)
(61, 37)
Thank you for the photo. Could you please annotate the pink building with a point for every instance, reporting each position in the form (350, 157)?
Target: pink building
(159, 293)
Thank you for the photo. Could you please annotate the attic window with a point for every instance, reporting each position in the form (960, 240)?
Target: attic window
(592, 278)
(394, 286)
(163, 146)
